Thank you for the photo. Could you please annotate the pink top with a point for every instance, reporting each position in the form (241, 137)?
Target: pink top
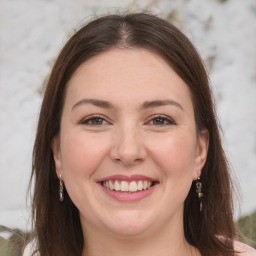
(245, 250)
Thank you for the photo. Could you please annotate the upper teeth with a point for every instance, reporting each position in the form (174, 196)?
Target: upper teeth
(126, 186)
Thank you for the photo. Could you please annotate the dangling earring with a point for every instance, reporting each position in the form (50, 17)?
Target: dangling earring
(61, 190)
(199, 193)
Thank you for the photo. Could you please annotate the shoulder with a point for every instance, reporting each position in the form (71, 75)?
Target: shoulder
(30, 248)
(244, 249)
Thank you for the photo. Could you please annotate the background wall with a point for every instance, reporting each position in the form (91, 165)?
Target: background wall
(33, 31)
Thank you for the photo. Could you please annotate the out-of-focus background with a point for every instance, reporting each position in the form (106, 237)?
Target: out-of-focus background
(32, 33)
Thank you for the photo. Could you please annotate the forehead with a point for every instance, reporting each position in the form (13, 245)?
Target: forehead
(121, 74)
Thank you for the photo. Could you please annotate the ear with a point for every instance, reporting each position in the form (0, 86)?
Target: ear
(55, 145)
(201, 152)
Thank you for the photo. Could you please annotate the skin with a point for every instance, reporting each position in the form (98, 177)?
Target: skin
(129, 138)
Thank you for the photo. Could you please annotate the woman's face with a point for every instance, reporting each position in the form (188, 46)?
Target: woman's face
(128, 150)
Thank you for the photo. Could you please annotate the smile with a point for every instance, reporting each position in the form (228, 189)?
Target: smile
(126, 186)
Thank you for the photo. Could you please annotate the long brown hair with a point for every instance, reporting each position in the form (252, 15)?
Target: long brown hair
(57, 225)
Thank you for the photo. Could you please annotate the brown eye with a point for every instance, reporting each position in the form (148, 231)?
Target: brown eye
(94, 121)
(161, 121)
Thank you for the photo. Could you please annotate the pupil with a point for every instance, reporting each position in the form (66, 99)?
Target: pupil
(159, 121)
(97, 121)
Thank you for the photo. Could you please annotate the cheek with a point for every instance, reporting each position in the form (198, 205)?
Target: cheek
(81, 154)
(174, 154)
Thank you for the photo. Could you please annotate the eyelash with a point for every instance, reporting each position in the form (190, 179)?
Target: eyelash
(87, 120)
(166, 120)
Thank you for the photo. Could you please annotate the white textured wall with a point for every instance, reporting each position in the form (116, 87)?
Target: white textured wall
(33, 31)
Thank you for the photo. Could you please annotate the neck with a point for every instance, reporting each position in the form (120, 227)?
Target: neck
(167, 241)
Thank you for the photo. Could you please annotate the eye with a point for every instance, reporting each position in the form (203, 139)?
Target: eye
(94, 121)
(161, 121)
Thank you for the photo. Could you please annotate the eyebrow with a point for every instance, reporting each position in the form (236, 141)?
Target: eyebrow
(159, 103)
(95, 102)
(145, 105)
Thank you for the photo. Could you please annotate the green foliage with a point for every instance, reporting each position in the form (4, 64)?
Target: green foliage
(4, 246)
(247, 229)
(14, 244)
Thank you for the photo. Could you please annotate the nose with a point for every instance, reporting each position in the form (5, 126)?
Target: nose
(128, 146)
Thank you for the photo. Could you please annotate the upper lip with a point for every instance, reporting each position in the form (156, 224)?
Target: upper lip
(130, 178)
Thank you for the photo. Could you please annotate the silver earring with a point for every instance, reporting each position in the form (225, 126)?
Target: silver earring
(61, 190)
(199, 193)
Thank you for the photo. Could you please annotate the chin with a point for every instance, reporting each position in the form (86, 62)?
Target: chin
(130, 225)
(129, 231)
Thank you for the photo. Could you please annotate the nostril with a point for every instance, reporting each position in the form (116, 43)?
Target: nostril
(128, 160)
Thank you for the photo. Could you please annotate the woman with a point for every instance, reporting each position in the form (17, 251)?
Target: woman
(127, 157)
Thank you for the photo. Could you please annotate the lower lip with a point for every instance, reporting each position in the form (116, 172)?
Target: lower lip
(129, 197)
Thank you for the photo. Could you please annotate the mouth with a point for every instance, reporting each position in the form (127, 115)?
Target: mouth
(128, 188)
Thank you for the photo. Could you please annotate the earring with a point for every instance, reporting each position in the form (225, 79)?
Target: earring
(61, 190)
(199, 193)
